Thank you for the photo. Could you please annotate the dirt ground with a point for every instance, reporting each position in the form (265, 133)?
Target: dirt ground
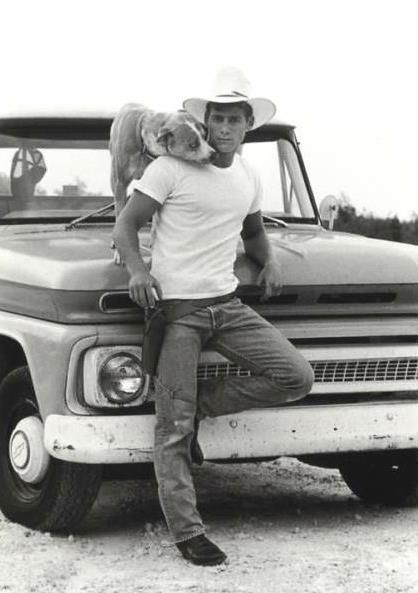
(286, 527)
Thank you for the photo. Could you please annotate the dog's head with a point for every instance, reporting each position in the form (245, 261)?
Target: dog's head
(184, 137)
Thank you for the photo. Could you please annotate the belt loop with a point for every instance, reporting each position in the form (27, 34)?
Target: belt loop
(212, 316)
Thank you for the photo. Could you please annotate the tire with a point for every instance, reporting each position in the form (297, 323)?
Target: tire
(61, 499)
(388, 478)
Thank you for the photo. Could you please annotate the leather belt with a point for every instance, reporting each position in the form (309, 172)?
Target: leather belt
(176, 308)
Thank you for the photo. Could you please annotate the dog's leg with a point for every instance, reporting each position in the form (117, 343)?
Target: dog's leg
(120, 201)
(118, 187)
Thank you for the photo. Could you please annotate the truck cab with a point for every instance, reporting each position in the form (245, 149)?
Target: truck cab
(75, 402)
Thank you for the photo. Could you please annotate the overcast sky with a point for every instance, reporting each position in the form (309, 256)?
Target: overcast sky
(343, 71)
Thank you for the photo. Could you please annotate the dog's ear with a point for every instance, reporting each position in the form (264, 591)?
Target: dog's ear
(202, 130)
(163, 135)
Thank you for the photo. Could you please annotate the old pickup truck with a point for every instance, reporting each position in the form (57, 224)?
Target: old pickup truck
(75, 403)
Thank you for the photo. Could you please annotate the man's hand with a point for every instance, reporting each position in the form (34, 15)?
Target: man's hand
(144, 289)
(271, 278)
(257, 247)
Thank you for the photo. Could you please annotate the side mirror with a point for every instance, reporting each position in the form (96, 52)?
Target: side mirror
(328, 210)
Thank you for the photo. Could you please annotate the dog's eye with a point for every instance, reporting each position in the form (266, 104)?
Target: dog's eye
(194, 145)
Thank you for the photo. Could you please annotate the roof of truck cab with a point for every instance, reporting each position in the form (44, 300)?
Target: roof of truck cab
(77, 113)
(86, 123)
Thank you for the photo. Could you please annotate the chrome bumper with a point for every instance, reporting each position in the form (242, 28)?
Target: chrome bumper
(265, 433)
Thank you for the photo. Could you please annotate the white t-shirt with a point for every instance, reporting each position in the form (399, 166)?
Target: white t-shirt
(196, 232)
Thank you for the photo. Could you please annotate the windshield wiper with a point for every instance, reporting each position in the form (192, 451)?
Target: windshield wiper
(73, 223)
(278, 221)
(76, 221)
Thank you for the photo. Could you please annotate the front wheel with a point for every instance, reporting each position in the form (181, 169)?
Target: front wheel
(37, 490)
(389, 478)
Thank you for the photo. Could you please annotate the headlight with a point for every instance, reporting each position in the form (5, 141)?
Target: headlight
(121, 378)
(113, 377)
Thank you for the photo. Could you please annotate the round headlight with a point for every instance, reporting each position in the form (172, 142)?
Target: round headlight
(121, 378)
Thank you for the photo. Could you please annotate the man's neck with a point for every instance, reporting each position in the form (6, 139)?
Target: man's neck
(223, 159)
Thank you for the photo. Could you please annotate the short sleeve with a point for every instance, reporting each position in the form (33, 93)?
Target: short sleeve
(258, 193)
(158, 180)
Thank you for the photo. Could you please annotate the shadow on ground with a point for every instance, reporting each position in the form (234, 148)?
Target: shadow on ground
(284, 492)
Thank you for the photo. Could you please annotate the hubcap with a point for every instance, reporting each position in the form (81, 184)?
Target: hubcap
(28, 456)
(19, 449)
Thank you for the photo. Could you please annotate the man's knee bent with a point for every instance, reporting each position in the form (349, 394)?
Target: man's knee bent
(298, 383)
(305, 381)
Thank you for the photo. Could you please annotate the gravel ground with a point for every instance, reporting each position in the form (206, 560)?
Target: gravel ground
(286, 527)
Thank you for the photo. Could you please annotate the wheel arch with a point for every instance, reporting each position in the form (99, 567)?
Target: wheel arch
(46, 348)
(12, 354)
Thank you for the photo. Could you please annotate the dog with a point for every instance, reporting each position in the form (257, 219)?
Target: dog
(138, 135)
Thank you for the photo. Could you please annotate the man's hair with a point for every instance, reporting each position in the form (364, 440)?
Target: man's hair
(246, 107)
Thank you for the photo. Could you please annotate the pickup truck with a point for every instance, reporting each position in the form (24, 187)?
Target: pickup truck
(75, 404)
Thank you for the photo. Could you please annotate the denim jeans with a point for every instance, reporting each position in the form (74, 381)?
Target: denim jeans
(280, 375)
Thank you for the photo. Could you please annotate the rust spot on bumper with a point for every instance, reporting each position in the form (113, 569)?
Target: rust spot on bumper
(57, 447)
(379, 437)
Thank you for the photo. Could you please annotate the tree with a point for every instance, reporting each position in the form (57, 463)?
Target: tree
(390, 228)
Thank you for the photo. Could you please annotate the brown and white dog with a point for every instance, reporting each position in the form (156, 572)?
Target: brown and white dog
(138, 135)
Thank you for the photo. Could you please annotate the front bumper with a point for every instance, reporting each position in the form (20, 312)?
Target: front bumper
(268, 433)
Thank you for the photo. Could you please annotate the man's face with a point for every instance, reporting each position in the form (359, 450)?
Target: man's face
(227, 126)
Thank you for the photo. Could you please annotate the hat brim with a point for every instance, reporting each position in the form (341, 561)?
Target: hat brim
(263, 109)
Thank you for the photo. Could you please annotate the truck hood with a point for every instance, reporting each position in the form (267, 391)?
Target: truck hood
(81, 259)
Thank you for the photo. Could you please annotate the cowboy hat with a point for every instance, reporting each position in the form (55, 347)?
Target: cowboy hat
(231, 86)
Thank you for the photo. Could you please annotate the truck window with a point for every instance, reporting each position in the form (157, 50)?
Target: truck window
(285, 192)
(48, 178)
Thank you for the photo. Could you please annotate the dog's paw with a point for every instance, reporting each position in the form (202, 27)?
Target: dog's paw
(117, 258)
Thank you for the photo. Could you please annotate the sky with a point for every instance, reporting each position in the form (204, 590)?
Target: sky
(344, 72)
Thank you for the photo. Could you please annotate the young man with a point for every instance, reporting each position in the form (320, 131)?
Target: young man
(200, 211)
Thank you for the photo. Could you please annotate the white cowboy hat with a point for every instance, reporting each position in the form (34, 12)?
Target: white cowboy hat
(231, 86)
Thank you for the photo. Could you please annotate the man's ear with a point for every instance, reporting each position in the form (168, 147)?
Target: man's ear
(250, 122)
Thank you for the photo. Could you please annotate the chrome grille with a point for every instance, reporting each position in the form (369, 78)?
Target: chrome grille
(354, 371)
(333, 371)
(221, 369)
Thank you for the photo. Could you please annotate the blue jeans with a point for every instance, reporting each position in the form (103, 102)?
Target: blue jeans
(281, 375)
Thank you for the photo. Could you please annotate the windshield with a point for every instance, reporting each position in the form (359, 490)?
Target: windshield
(65, 179)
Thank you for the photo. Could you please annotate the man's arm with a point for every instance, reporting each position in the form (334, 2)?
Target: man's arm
(257, 247)
(137, 212)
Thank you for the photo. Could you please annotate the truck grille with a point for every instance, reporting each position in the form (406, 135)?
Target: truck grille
(221, 369)
(333, 371)
(349, 371)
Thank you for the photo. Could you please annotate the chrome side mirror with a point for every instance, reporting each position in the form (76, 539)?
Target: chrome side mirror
(328, 210)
